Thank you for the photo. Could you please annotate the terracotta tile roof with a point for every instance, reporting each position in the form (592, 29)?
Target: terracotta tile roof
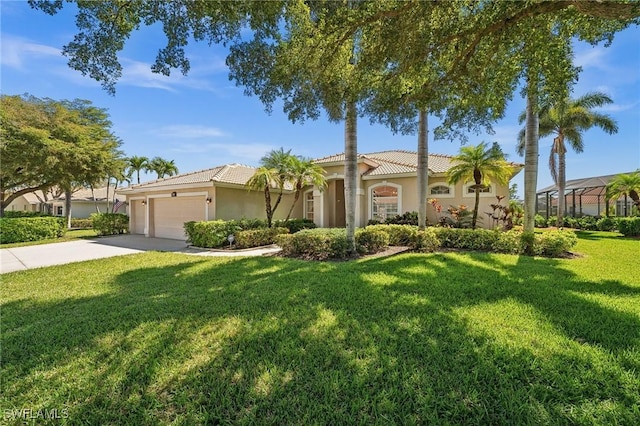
(237, 174)
(395, 162)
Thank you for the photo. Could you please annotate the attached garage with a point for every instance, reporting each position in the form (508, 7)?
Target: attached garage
(169, 215)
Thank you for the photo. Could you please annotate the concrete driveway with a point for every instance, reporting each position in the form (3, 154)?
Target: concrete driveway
(22, 258)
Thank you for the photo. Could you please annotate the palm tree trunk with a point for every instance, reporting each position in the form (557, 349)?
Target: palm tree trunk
(350, 173)
(562, 180)
(267, 203)
(296, 196)
(531, 157)
(423, 168)
(474, 218)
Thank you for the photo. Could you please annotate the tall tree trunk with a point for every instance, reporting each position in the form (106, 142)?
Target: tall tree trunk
(562, 180)
(350, 173)
(296, 196)
(474, 218)
(67, 206)
(423, 168)
(267, 203)
(95, 202)
(531, 156)
(107, 196)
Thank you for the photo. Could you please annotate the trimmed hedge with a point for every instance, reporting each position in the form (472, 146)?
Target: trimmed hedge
(295, 225)
(23, 213)
(212, 233)
(110, 223)
(425, 241)
(21, 229)
(554, 243)
(315, 244)
(81, 223)
(606, 224)
(399, 235)
(629, 226)
(371, 239)
(258, 237)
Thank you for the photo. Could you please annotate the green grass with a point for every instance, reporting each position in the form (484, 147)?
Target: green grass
(74, 234)
(449, 338)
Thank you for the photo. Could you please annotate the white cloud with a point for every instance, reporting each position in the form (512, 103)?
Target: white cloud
(185, 131)
(591, 57)
(618, 107)
(17, 52)
(248, 153)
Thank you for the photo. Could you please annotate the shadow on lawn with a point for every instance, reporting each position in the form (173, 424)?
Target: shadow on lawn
(383, 340)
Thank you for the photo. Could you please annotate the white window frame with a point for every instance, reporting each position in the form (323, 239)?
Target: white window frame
(305, 211)
(385, 183)
(451, 194)
(467, 194)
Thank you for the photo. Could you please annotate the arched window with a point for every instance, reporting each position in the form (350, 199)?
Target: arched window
(440, 190)
(385, 201)
(486, 189)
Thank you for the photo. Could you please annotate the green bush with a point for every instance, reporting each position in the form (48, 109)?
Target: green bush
(554, 243)
(21, 229)
(110, 223)
(629, 226)
(22, 213)
(510, 242)
(210, 234)
(407, 218)
(371, 239)
(540, 221)
(467, 239)
(295, 225)
(245, 224)
(552, 221)
(399, 235)
(588, 223)
(258, 237)
(425, 240)
(528, 243)
(81, 223)
(606, 224)
(314, 244)
(571, 222)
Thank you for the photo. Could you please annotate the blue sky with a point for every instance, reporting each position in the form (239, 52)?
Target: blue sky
(203, 120)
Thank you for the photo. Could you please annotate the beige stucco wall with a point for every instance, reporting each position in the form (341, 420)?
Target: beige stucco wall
(408, 196)
(84, 209)
(21, 204)
(232, 203)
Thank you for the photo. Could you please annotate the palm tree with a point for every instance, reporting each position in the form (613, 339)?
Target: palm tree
(163, 167)
(263, 180)
(303, 172)
(136, 164)
(625, 185)
(280, 161)
(479, 164)
(567, 119)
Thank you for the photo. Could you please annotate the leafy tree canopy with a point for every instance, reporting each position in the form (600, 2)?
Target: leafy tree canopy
(47, 143)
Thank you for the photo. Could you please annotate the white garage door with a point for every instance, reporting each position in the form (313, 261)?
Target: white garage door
(170, 214)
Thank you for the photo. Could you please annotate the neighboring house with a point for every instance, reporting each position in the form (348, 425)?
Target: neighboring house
(30, 202)
(84, 202)
(161, 207)
(583, 197)
(386, 186)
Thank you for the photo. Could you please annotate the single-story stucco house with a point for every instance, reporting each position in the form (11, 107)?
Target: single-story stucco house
(84, 202)
(387, 185)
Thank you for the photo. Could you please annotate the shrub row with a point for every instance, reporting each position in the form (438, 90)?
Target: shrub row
(321, 244)
(592, 223)
(258, 237)
(81, 223)
(20, 229)
(629, 226)
(23, 213)
(110, 223)
(214, 233)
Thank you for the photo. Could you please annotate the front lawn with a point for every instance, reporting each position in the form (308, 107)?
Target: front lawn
(445, 338)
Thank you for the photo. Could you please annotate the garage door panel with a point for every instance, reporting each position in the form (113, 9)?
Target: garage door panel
(170, 214)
